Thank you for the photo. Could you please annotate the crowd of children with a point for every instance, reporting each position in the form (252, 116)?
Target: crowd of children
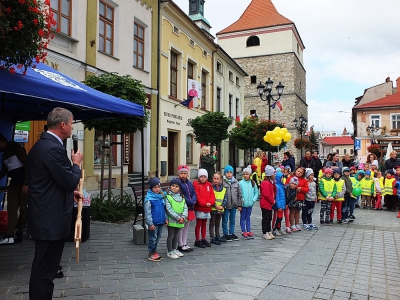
(282, 194)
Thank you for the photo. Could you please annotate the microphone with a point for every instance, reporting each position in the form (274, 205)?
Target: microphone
(75, 142)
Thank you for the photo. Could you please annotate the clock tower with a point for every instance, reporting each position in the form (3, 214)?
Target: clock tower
(196, 13)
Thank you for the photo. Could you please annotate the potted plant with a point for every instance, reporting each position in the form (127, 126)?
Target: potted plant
(301, 143)
(25, 32)
(375, 149)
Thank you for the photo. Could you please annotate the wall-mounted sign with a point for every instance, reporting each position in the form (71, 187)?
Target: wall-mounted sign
(357, 144)
(23, 126)
(164, 141)
(21, 136)
(80, 134)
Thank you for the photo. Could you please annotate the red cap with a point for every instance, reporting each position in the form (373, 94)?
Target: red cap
(253, 167)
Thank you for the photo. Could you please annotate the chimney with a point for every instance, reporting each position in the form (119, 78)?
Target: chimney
(398, 85)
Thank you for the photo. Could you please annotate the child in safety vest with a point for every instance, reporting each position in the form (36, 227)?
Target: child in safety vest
(154, 210)
(355, 183)
(339, 197)
(327, 189)
(254, 175)
(368, 190)
(389, 190)
(177, 212)
(250, 196)
(217, 210)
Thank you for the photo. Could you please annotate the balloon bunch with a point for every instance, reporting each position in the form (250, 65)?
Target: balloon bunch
(275, 137)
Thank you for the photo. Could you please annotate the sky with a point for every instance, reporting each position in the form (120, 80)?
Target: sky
(350, 45)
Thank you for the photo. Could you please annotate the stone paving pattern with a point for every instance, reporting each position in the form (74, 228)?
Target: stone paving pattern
(356, 261)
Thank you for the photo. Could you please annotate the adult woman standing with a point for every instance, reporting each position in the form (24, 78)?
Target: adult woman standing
(288, 160)
(258, 162)
(392, 162)
(346, 161)
(207, 161)
(264, 162)
(370, 158)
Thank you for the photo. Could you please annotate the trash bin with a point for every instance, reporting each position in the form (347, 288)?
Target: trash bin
(85, 224)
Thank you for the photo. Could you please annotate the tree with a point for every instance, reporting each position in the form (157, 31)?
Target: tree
(313, 140)
(124, 87)
(250, 134)
(211, 128)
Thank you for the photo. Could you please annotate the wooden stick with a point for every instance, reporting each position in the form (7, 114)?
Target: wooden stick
(78, 222)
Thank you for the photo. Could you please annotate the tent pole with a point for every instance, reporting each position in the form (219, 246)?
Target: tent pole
(142, 146)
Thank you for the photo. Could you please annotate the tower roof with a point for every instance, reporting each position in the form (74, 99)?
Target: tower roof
(259, 14)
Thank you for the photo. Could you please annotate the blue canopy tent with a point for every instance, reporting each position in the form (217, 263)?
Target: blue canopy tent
(34, 95)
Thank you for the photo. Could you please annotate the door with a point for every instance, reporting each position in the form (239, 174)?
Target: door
(172, 153)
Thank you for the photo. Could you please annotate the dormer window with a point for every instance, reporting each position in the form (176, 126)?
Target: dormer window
(253, 41)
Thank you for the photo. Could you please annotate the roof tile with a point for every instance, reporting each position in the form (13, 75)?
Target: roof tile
(259, 14)
(338, 140)
(391, 100)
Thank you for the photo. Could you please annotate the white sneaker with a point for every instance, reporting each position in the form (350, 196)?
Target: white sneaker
(267, 236)
(288, 230)
(277, 232)
(298, 227)
(172, 255)
(177, 252)
(7, 241)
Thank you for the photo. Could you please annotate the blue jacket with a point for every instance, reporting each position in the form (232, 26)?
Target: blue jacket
(249, 192)
(397, 186)
(154, 208)
(280, 197)
(187, 189)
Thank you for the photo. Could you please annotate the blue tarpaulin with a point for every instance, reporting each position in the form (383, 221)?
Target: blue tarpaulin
(33, 96)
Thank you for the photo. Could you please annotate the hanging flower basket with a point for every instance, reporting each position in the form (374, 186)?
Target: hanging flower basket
(302, 143)
(25, 32)
(375, 149)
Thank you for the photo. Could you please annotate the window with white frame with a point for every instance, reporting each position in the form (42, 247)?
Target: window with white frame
(218, 104)
(219, 67)
(237, 106)
(173, 68)
(230, 76)
(230, 105)
(376, 120)
(138, 45)
(395, 120)
(203, 89)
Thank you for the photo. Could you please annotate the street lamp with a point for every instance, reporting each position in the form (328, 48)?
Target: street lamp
(265, 90)
(301, 126)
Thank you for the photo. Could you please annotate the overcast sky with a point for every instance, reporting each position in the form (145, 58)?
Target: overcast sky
(350, 45)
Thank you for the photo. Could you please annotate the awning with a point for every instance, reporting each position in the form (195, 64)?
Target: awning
(33, 96)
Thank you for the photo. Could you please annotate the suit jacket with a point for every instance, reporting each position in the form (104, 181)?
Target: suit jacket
(52, 181)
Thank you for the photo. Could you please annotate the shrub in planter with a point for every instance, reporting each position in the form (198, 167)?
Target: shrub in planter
(302, 143)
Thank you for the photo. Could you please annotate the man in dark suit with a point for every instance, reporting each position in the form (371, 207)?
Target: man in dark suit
(52, 189)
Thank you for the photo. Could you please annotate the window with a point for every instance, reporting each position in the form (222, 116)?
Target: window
(237, 106)
(375, 120)
(205, 53)
(237, 81)
(189, 149)
(253, 79)
(190, 70)
(98, 148)
(62, 15)
(253, 41)
(203, 89)
(173, 85)
(138, 46)
(191, 43)
(230, 105)
(230, 76)
(351, 151)
(218, 104)
(176, 30)
(337, 151)
(344, 151)
(395, 121)
(106, 28)
(219, 67)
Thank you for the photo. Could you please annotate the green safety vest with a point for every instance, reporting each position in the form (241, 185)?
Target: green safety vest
(219, 198)
(178, 207)
(339, 187)
(328, 187)
(388, 187)
(366, 187)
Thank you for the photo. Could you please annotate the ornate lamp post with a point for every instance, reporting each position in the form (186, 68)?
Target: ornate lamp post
(301, 126)
(265, 94)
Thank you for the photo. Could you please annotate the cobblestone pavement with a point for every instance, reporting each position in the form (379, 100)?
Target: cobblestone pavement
(355, 261)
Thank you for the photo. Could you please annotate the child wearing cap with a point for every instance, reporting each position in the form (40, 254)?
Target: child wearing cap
(368, 190)
(154, 210)
(187, 189)
(250, 195)
(327, 189)
(302, 190)
(233, 203)
(205, 201)
(309, 203)
(268, 193)
(339, 197)
(177, 212)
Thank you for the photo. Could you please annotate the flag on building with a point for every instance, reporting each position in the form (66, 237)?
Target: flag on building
(277, 104)
(187, 102)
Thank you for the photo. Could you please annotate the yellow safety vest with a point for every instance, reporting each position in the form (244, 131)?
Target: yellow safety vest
(366, 186)
(388, 188)
(339, 188)
(258, 179)
(328, 187)
(219, 198)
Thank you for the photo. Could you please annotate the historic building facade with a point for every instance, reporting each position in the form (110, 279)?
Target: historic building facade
(268, 45)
